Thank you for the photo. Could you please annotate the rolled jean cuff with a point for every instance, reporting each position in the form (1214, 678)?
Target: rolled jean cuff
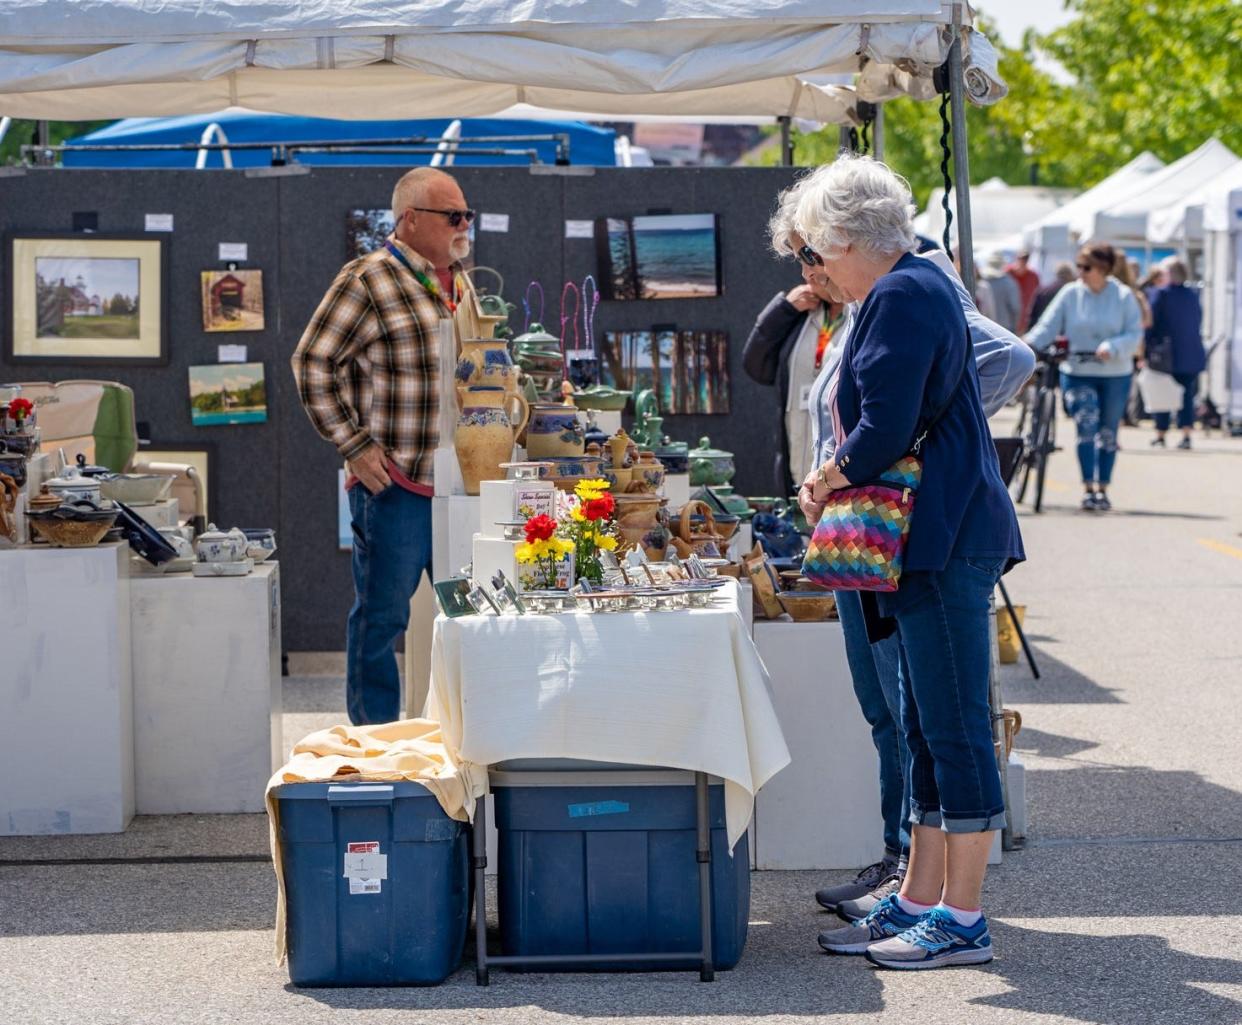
(983, 822)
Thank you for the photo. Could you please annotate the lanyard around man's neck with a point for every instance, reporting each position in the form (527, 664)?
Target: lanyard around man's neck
(431, 286)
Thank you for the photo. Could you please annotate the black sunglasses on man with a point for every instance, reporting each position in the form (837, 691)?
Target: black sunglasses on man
(455, 217)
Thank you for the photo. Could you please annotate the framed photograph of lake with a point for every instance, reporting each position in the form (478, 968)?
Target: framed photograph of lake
(86, 299)
(659, 256)
(227, 393)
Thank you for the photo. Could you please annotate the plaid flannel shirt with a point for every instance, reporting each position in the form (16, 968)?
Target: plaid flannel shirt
(367, 366)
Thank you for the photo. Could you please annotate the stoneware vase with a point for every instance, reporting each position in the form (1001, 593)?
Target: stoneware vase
(486, 361)
(554, 430)
(489, 419)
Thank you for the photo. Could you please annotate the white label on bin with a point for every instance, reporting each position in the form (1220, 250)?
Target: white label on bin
(364, 886)
(366, 866)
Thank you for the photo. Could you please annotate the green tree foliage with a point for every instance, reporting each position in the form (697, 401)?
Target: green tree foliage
(22, 133)
(1159, 75)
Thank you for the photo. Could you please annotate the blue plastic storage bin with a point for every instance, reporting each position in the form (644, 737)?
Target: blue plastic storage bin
(589, 866)
(407, 929)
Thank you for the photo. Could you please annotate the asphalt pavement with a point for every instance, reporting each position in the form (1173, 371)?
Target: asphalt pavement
(1124, 908)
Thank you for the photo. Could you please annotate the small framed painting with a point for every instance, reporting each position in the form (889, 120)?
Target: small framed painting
(87, 299)
(227, 393)
(232, 300)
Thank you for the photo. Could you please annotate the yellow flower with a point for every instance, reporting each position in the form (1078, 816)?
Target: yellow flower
(605, 541)
(577, 513)
(589, 490)
(525, 553)
(566, 547)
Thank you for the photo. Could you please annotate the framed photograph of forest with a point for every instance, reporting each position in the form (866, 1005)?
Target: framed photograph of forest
(86, 299)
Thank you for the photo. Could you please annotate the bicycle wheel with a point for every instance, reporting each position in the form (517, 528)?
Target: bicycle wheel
(1024, 409)
(1045, 444)
(1031, 404)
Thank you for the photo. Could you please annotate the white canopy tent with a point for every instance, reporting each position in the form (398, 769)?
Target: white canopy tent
(80, 59)
(998, 213)
(1181, 223)
(1222, 296)
(1049, 238)
(1125, 219)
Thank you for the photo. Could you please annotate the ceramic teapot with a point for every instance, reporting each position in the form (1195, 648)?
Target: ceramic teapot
(710, 465)
(215, 545)
(490, 418)
(72, 486)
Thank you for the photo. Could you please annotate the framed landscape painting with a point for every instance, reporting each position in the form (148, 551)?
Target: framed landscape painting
(86, 299)
(227, 393)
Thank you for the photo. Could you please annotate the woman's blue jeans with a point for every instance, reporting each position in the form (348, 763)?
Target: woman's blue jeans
(873, 668)
(944, 667)
(1185, 415)
(1096, 405)
(392, 548)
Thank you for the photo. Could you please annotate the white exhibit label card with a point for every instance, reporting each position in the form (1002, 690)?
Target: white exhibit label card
(230, 353)
(159, 222)
(579, 229)
(234, 251)
(494, 222)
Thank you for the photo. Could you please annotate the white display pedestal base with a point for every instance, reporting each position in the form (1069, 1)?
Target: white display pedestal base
(67, 761)
(207, 700)
(823, 810)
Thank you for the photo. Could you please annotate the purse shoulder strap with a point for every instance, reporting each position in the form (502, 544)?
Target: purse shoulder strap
(944, 406)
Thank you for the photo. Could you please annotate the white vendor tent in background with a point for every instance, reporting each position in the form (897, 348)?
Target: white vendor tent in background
(998, 213)
(1049, 238)
(1125, 220)
(80, 59)
(1181, 223)
(1222, 296)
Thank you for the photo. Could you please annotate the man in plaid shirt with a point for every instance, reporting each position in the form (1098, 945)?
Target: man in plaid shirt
(367, 369)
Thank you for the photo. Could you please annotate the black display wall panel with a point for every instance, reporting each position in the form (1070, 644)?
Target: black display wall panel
(281, 473)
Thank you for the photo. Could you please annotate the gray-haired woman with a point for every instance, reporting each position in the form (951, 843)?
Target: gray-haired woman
(907, 356)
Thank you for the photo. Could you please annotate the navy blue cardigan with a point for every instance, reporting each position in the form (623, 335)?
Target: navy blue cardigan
(1177, 316)
(904, 356)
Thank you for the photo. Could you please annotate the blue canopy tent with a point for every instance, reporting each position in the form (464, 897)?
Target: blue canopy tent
(587, 143)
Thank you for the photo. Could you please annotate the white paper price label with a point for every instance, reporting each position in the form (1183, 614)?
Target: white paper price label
(579, 229)
(494, 222)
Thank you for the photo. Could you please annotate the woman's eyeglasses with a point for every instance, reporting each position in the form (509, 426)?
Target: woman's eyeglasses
(811, 258)
(455, 217)
(1084, 267)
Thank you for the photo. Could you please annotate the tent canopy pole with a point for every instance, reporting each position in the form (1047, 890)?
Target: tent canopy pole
(961, 159)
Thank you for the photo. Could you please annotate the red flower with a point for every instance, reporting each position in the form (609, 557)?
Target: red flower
(19, 409)
(600, 508)
(539, 528)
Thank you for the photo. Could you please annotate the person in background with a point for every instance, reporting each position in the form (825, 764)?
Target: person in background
(1126, 271)
(787, 347)
(1028, 285)
(1177, 321)
(1101, 318)
(367, 372)
(1006, 298)
(1061, 276)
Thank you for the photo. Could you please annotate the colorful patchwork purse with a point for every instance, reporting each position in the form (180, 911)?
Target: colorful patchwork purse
(860, 538)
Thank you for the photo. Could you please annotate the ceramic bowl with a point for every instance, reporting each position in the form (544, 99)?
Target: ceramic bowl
(808, 606)
(136, 488)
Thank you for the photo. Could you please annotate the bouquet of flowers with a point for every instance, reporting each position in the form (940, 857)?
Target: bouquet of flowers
(19, 409)
(583, 527)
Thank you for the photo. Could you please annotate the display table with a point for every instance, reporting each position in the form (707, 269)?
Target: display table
(207, 698)
(67, 761)
(670, 689)
(823, 812)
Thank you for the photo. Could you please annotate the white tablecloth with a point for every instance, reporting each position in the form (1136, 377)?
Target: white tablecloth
(685, 690)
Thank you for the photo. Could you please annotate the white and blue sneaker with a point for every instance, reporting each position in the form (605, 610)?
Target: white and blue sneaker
(936, 940)
(882, 921)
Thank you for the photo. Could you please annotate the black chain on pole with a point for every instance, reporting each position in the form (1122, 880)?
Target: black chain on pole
(946, 155)
(866, 137)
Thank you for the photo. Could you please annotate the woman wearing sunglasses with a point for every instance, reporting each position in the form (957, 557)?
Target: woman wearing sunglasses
(909, 361)
(1103, 322)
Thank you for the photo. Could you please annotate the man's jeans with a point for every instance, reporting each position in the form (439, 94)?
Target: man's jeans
(942, 618)
(392, 548)
(874, 671)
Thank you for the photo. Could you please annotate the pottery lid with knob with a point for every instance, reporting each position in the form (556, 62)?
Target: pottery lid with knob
(705, 450)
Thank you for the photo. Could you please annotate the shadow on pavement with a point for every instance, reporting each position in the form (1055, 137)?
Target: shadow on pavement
(1059, 683)
(1077, 976)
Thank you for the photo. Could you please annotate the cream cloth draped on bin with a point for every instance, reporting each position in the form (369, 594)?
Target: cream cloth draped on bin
(410, 749)
(684, 690)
